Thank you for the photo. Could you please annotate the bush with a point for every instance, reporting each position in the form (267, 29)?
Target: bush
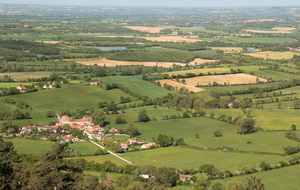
(218, 133)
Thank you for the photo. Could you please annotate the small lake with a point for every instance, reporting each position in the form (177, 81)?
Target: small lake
(250, 50)
(112, 48)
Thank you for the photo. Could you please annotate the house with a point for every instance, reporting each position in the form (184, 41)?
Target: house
(146, 146)
(145, 176)
(183, 177)
(230, 104)
(95, 83)
(131, 141)
(3, 134)
(45, 87)
(124, 146)
(1, 91)
(113, 130)
(22, 88)
(50, 86)
(86, 120)
(70, 138)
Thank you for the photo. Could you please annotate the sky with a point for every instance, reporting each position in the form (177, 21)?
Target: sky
(159, 3)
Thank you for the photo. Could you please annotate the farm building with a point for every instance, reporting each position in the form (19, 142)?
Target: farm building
(131, 141)
(22, 88)
(149, 145)
(95, 83)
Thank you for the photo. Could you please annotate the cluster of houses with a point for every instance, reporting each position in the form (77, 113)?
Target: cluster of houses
(87, 126)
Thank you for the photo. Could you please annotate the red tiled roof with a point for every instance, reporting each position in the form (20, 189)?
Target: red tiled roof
(69, 138)
(182, 176)
(22, 87)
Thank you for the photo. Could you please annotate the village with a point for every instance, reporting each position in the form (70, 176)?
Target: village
(89, 130)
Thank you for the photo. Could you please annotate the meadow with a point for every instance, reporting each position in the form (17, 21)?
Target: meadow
(69, 97)
(187, 128)
(273, 54)
(39, 118)
(37, 147)
(158, 48)
(136, 84)
(182, 158)
(268, 119)
(25, 75)
(275, 75)
(109, 175)
(282, 178)
(132, 114)
(13, 84)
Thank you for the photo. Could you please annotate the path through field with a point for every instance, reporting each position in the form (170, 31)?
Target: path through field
(111, 152)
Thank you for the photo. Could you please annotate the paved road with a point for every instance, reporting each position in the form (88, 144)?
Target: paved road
(58, 118)
(111, 152)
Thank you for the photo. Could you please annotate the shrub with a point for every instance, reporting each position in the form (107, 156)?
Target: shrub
(218, 133)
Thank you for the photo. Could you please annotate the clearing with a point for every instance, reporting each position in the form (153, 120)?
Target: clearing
(191, 83)
(273, 54)
(112, 63)
(201, 61)
(145, 28)
(26, 75)
(228, 49)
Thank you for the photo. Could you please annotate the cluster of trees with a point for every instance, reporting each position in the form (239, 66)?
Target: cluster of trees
(165, 141)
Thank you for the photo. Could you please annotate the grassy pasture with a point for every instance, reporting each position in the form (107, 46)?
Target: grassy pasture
(24, 37)
(136, 84)
(284, 178)
(275, 75)
(158, 48)
(103, 158)
(276, 40)
(61, 99)
(279, 119)
(205, 127)
(15, 84)
(228, 49)
(198, 71)
(133, 115)
(273, 54)
(39, 147)
(182, 158)
(36, 117)
(238, 87)
(24, 75)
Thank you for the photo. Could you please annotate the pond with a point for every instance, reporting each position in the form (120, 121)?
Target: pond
(250, 50)
(112, 48)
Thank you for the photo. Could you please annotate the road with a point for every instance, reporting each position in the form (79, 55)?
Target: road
(111, 152)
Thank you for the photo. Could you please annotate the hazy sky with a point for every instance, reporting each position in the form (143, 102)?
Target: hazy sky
(165, 3)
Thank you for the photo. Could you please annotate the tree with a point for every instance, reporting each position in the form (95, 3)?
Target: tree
(218, 133)
(131, 129)
(99, 118)
(217, 186)
(245, 126)
(8, 157)
(143, 117)
(202, 183)
(255, 184)
(235, 185)
(293, 127)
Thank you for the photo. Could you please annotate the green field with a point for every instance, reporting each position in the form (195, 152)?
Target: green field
(183, 158)
(39, 147)
(273, 54)
(286, 178)
(238, 87)
(275, 75)
(136, 84)
(132, 114)
(39, 118)
(279, 119)
(159, 48)
(25, 75)
(14, 84)
(198, 71)
(69, 97)
(205, 127)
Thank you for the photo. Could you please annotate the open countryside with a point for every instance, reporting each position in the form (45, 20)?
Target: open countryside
(132, 97)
